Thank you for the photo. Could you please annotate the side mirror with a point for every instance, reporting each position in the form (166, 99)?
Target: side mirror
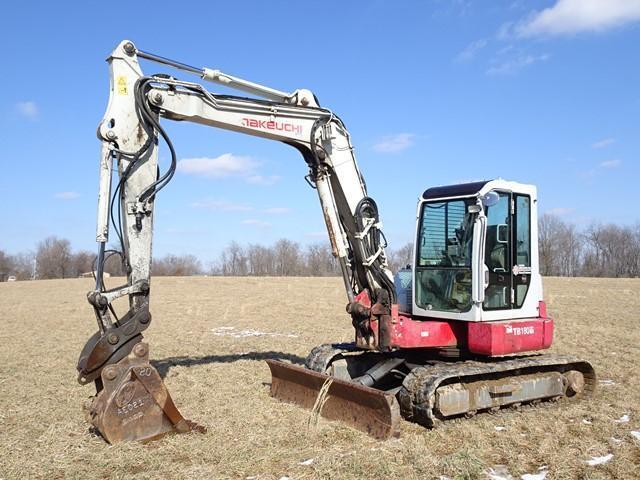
(503, 233)
(490, 199)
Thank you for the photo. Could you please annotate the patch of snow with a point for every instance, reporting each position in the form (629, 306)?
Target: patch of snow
(599, 460)
(499, 472)
(586, 422)
(635, 435)
(306, 462)
(499, 429)
(541, 475)
(232, 332)
(623, 419)
(607, 382)
(284, 478)
(444, 477)
(616, 440)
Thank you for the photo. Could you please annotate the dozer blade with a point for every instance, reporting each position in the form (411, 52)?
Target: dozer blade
(373, 411)
(134, 404)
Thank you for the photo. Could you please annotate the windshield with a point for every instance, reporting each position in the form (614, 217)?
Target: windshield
(443, 266)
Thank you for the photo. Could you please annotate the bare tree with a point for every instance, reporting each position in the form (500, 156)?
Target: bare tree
(24, 265)
(54, 258)
(320, 261)
(548, 228)
(287, 257)
(261, 260)
(233, 260)
(561, 247)
(284, 258)
(6, 266)
(400, 258)
(82, 262)
(177, 266)
(612, 251)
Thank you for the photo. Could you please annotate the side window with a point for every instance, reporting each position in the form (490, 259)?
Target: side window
(443, 266)
(523, 231)
(498, 254)
(522, 263)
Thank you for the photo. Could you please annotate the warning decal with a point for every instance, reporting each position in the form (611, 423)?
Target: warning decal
(121, 85)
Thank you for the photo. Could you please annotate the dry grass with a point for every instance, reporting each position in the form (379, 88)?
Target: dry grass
(222, 382)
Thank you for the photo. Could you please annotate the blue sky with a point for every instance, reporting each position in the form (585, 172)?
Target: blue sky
(433, 92)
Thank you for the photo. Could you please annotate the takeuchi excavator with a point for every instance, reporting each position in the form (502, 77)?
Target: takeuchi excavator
(454, 335)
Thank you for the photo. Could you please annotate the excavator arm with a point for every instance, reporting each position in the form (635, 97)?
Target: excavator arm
(130, 132)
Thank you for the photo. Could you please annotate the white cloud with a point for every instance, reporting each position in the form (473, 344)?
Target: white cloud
(591, 174)
(567, 17)
(276, 210)
(226, 165)
(611, 163)
(514, 65)
(28, 109)
(221, 205)
(394, 143)
(471, 50)
(66, 195)
(605, 142)
(263, 179)
(559, 211)
(256, 223)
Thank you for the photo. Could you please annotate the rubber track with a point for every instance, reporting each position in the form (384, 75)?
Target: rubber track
(417, 396)
(321, 356)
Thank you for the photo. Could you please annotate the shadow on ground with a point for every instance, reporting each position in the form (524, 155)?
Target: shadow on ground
(163, 366)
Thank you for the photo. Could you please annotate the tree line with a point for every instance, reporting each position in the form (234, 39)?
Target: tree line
(607, 250)
(54, 258)
(600, 250)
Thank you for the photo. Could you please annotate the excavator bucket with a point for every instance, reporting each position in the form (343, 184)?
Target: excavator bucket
(134, 404)
(373, 411)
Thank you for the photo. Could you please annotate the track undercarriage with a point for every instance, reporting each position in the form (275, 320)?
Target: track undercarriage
(431, 387)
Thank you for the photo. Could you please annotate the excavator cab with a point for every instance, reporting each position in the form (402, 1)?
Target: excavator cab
(476, 255)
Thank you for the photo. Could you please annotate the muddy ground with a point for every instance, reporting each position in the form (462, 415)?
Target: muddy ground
(210, 337)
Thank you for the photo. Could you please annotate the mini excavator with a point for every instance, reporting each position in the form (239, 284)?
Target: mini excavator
(456, 334)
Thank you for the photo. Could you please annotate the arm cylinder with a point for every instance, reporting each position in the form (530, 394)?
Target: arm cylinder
(104, 194)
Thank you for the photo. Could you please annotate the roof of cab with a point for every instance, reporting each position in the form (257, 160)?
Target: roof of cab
(459, 190)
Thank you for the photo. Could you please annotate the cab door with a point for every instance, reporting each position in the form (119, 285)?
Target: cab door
(498, 254)
(507, 251)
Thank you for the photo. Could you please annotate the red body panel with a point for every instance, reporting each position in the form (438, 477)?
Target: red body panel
(483, 338)
(408, 332)
(510, 336)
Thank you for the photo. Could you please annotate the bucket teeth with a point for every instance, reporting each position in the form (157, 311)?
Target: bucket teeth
(134, 404)
(373, 411)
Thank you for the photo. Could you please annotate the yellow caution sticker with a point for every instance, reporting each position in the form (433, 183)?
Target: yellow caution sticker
(121, 85)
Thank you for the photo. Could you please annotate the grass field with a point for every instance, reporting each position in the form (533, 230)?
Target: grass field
(218, 378)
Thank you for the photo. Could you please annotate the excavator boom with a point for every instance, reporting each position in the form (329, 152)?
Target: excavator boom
(132, 406)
